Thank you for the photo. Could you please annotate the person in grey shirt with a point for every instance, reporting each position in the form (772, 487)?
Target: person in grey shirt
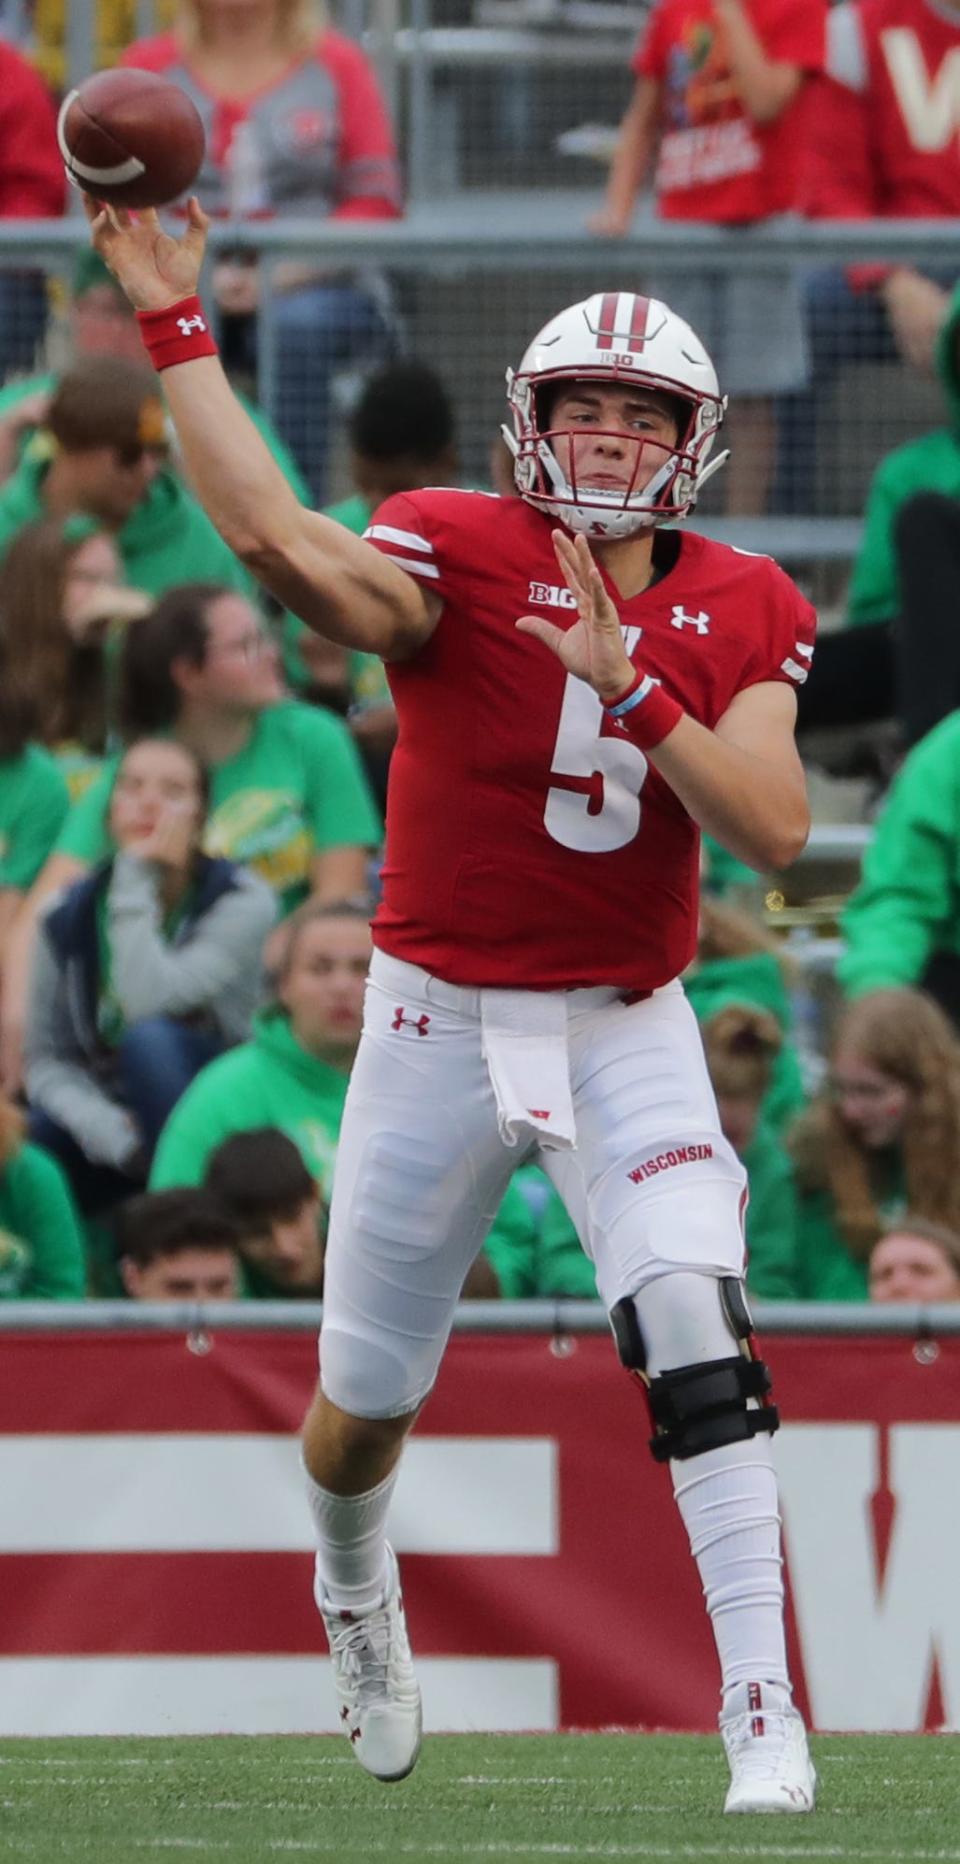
(144, 971)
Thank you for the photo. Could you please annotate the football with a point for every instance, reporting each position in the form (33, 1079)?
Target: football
(130, 138)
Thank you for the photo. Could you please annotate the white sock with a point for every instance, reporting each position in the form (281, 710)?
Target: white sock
(351, 1569)
(728, 1501)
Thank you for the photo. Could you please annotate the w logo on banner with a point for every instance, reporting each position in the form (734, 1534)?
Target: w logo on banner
(623, 322)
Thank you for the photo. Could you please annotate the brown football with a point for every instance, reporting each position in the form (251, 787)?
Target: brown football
(131, 138)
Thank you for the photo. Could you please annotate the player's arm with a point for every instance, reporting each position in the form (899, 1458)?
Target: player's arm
(337, 583)
(742, 782)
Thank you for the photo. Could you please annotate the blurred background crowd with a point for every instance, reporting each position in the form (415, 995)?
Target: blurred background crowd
(192, 785)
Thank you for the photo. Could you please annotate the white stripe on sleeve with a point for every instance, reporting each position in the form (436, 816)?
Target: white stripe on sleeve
(408, 540)
(415, 568)
(794, 671)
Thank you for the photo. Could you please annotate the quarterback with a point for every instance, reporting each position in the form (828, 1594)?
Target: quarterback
(579, 691)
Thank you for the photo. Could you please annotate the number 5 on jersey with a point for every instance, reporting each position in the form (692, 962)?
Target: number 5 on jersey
(571, 816)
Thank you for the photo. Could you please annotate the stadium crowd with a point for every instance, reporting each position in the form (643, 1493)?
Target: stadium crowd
(192, 784)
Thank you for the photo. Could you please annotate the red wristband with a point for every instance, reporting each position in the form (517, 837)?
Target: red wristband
(644, 712)
(179, 333)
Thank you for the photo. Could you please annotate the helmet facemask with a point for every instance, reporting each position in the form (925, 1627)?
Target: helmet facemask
(664, 479)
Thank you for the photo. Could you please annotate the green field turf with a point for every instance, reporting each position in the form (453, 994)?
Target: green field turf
(522, 1797)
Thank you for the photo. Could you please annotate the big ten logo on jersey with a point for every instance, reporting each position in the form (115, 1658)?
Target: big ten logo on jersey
(548, 595)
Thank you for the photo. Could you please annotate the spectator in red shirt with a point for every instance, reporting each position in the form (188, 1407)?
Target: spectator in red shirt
(718, 93)
(295, 125)
(887, 147)
(32, 187)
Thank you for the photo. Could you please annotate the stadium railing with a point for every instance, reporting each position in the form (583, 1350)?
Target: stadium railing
(555, 1319)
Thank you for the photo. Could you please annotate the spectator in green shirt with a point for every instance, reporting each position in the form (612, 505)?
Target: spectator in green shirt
(293, 1072)
(41, 1247)
(885, 1136)
(103, 452)
(33, 797)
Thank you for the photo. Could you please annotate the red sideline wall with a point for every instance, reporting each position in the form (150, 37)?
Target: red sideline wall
(155, 1570)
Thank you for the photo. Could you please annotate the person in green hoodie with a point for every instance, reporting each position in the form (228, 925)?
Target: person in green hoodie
(901, 924)
(884, 1137)
(103, 451)
(293, 1072)
(899, 654)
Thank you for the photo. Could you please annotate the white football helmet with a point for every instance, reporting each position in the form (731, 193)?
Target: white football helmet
(615, 336)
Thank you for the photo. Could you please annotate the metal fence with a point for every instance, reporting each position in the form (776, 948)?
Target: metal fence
(556, 1320)
(465, 282)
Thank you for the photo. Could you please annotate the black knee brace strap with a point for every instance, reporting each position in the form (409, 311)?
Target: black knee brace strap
(703, 1407)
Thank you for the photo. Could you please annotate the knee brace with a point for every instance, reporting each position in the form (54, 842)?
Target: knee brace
(705, 1405)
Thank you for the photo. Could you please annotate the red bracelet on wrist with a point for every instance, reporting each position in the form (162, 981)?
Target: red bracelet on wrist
(178, 333)
(644, 712)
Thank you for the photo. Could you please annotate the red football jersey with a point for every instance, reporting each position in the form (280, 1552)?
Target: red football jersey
(529, 842)
(715, 163)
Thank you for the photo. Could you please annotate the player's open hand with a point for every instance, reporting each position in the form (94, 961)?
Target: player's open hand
(152, 267)
(592, 647)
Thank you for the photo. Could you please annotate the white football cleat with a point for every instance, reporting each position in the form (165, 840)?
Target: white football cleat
(766, 1743)
(375, 1682)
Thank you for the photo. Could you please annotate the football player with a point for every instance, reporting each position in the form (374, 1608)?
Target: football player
(579, 691)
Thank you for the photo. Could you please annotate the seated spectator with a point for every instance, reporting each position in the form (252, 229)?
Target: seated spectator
(883, 1138)
(401, 438)
(177, 1246)
(288, 796)
(741, 1046)
(295, 125)
(143, 971)
(103, 452)
(99, 320)
(899, 655)
(62, 607)
(885, 148)
(915, 1261)
(32, 187)
(260, 1179)
(33, 796)
(41, 1247)
(739, 963)
(901, 925)
(293, 1072)
(718, 94)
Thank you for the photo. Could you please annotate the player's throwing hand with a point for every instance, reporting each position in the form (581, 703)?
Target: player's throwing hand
(154, 269)
(593, 647)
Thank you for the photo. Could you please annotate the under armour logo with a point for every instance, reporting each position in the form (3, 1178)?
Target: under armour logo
(419, 1023)
(539, 1113)
(188, 324)
(700, 621)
